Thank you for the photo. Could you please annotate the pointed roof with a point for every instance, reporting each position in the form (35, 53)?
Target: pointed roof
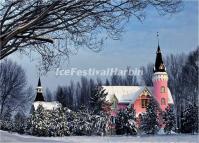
(159, 65)
(39, 96)
(39, 82)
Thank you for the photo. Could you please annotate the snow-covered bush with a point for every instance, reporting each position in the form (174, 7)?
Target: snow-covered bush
(6, 122)
(6, 125)
(126, 122)
(84, 122)
(19, 123)
(48, 122)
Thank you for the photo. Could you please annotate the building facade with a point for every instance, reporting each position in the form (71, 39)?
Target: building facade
(138, 96)
(40, 100)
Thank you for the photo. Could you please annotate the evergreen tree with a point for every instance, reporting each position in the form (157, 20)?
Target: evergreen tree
(169, 120)
(107, 82)
(19, 122)
(149, 120)
(98, 101)
(49, 96)
(125, 122)
(61, 96)
(190, 119)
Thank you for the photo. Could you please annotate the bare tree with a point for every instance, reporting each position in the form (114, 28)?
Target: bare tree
(13, 82)
(30, 25)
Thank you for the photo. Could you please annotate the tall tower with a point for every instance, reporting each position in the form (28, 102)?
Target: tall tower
(160, 81)
(39, 96)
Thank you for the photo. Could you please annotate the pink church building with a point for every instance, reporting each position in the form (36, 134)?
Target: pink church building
(138, 96)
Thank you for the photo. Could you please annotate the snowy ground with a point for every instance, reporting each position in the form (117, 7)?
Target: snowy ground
(13, 137)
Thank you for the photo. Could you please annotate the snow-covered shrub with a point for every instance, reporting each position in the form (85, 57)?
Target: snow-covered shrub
(48, 122)
(19, 123)
(84, 122)
(126, 122)
(6, 125)
(6, 122)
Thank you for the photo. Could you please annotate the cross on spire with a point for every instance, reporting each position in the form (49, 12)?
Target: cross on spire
(158, 50)
(158, 38)
(159, 65)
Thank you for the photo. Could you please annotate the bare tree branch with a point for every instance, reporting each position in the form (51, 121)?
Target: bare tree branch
(47, 23)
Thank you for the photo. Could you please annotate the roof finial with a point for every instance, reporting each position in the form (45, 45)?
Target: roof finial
(158, 38)
(39, 74)
(158, 50)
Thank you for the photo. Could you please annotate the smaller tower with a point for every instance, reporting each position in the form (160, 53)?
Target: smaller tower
(160, 81)
(39, 96)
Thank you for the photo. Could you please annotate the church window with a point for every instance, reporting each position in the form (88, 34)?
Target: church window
(163, 90)
(163, 102)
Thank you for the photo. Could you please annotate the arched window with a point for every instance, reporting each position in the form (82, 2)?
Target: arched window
(163, 101)
(163, 90)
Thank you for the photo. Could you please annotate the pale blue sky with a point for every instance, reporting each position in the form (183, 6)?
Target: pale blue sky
(137, 46)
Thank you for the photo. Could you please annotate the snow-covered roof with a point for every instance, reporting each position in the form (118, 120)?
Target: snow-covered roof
(124, 94)
(47, 105)
(170, 98)
(128, 94)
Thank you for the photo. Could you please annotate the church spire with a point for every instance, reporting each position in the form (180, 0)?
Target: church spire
(39, 96)
(39, 82)
(159, 65)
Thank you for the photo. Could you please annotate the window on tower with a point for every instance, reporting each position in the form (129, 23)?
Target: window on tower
(163, 90)
(163, 101)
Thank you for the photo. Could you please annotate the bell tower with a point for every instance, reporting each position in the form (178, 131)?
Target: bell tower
(39, 89)
(160, 80)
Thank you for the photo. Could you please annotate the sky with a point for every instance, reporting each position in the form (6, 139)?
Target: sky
(137, 46)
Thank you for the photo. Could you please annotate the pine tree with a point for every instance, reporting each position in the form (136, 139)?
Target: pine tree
(61, 96)
(149, 120)
(169, 120)
(98, 101)
(125, 122)
(190, 119)
(107, 83)
(49, 95)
